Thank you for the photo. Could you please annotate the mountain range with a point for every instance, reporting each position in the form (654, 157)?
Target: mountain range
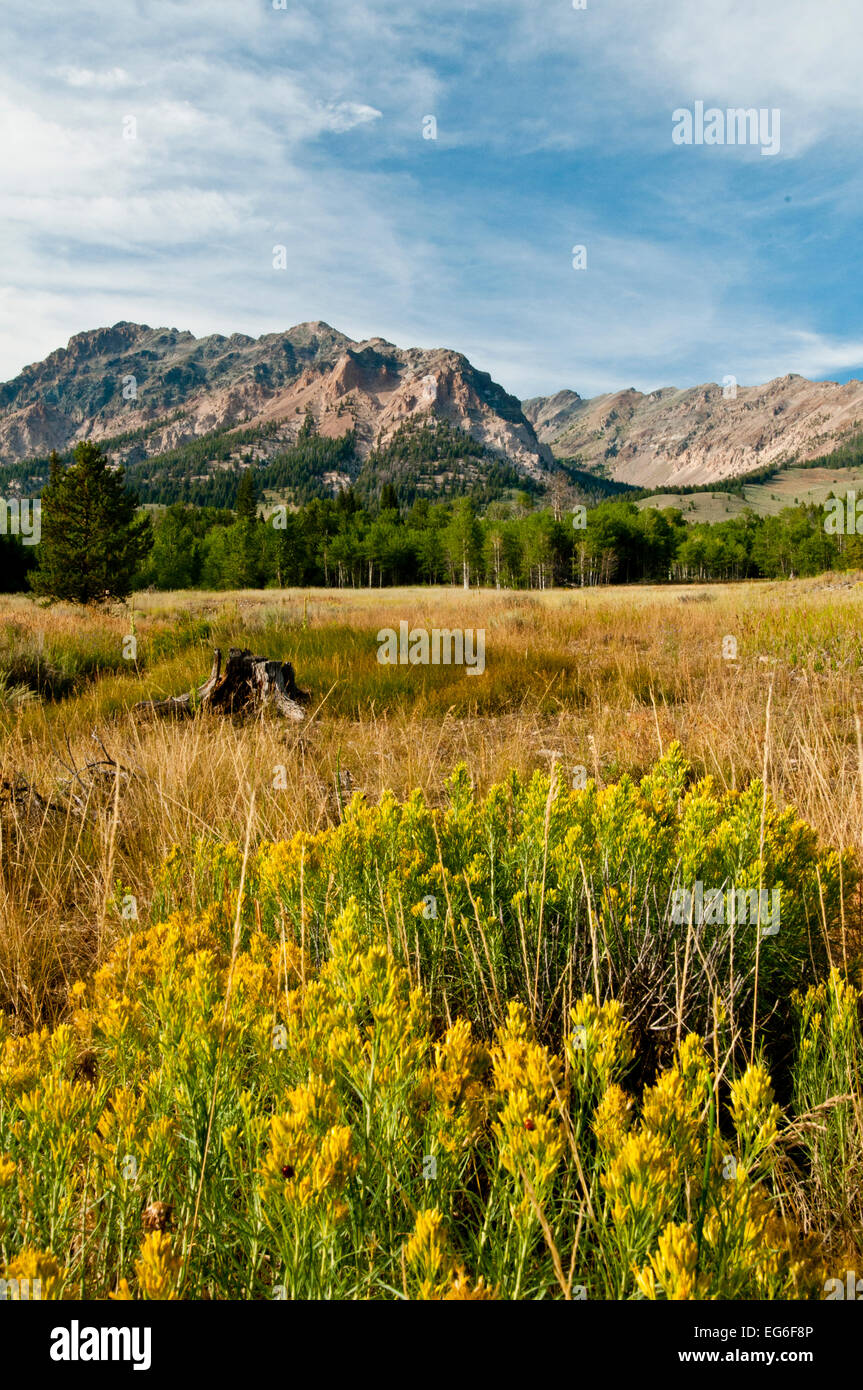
(147, 391)
(178, 388)
(700, 435)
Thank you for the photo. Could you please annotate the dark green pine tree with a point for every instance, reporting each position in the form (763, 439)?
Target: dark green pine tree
(246, 505)
(346, 502)
(389, 498)
(308, 429)
(93, 539)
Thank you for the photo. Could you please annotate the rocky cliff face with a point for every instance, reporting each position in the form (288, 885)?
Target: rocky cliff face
(110, 381)
(699, 435)
(113, 380)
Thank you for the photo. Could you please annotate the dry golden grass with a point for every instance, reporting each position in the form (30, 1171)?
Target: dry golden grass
(603, 679)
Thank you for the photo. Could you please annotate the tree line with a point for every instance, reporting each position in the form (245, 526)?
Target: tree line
(97, 542)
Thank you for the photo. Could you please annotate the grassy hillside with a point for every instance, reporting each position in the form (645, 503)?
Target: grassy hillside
(788, 488)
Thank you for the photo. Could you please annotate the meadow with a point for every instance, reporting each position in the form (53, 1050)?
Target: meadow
(789, 488)
(391, 1003)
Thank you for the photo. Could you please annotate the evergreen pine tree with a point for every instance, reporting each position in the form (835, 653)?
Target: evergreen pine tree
(92, 537)
(246, 505)
(389, 498)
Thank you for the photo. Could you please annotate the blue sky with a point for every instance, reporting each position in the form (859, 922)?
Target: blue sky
(303, 127)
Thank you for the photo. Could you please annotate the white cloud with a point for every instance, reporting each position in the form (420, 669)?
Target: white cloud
(85, 77)
(807, 353)
(347, 114)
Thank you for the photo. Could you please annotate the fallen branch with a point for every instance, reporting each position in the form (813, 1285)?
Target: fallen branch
(100, 773)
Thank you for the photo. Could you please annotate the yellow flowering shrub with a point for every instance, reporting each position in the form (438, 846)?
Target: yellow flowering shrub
(309, 1156)
(33, 1275)
(528, 1081)
(409, 1063)
(828, 1065)
(431, 1269)
(156, 1270)
(673, 1267)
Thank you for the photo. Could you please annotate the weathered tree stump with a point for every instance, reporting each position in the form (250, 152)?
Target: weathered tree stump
(248, 685)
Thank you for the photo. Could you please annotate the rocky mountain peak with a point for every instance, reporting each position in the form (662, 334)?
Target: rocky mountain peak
(109, 381)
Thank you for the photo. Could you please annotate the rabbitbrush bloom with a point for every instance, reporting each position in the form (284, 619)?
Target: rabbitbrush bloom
(431, 1269)
(672, 1269)
(157, 1270)
(529, 1083)
(32, 1265)
(310, 1156)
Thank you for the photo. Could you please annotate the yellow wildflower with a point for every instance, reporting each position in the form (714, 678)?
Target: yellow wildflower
(32, 1274)
(672, 1266)
(755, 1114)
(158, 1268)
(612, 1119)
